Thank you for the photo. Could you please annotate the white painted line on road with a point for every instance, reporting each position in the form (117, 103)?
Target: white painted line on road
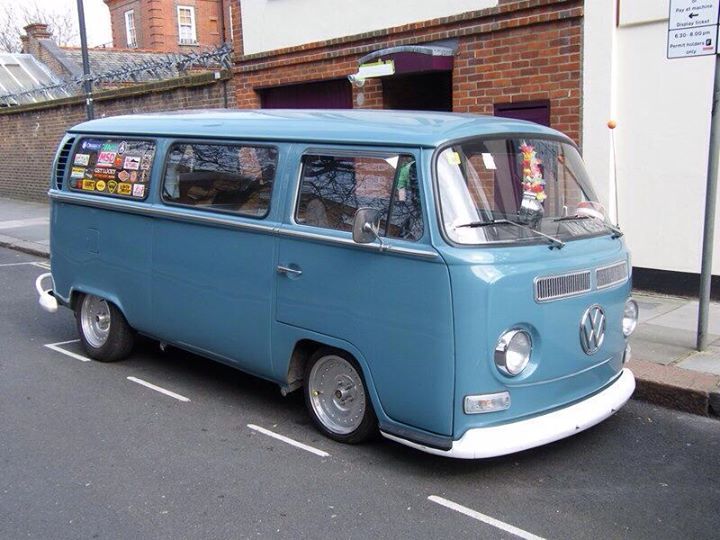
(28, 263)
(56, 347)
(289, 441)
(485, 519)
(66, 342)
(17, 223)
(43, 265)
(159, 389)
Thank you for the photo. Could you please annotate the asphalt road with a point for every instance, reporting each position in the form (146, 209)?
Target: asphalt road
(86, 452)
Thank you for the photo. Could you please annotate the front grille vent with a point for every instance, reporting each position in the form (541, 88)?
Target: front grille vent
(611, 275)
(62, 163)
(554, 287)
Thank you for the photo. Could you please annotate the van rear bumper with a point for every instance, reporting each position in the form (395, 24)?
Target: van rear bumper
(517, 436)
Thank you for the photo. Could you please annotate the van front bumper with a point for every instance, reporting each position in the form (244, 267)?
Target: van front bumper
(517, 436)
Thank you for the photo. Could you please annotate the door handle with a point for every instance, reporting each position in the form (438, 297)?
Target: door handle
(288, 271)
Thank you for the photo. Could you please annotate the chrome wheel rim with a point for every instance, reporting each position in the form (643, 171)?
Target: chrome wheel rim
(337, 394)
(95, 320)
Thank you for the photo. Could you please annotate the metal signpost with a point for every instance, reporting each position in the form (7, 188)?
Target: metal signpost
(86, 61)
(693, 31)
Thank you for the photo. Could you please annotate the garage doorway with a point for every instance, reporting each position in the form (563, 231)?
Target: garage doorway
(418, 91)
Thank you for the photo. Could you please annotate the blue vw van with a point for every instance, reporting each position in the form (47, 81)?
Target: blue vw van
(447, 279)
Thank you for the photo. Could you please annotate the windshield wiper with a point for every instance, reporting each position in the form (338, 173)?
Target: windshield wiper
(616, 232)
(554, 242)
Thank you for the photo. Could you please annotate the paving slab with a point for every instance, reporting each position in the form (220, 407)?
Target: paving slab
(686, 316)
(706, 362)
(664, 345)
(652, 305)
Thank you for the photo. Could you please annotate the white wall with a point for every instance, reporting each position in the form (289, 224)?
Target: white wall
(663, 112)
(275, 24)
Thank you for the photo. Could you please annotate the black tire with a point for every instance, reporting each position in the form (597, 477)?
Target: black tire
(354, 419)
(119, 338)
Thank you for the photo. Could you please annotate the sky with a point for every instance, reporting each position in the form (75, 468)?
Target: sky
(97, 16)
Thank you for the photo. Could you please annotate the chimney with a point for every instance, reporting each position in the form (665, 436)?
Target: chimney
(35, 32)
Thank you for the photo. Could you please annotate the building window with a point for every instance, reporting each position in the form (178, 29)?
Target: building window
(130, 34)
(186, 25)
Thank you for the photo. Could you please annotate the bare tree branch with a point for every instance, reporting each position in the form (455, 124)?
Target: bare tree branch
(61, 23)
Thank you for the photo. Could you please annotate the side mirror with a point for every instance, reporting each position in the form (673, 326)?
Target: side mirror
(366, 226)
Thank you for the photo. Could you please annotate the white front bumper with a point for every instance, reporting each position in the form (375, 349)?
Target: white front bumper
(553, 426)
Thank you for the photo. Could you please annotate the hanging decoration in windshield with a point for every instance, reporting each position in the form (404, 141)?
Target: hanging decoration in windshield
(531, 207)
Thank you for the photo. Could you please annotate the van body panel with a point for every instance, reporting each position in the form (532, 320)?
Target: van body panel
(493, 291)
(396, 310)
(106, 253)
(213, 287)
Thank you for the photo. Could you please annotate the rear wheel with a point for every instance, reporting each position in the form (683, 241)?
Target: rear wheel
(337, 398)
(104, 333)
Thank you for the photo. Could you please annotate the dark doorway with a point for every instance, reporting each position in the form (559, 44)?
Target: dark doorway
(418, 92)
(532, 111)
(336, 94)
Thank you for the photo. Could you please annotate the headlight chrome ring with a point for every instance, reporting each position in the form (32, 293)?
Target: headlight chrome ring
(631, 313)
(513, 351)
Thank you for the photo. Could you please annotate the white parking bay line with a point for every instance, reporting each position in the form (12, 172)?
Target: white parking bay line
(289, 441)
(56, 347)
(159, 389)
(485, 519)
(17, 223)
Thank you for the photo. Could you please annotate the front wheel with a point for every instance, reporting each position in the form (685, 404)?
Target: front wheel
(104, 333)
(336, 397)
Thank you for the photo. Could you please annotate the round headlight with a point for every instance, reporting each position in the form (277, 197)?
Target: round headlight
(512, 352)
(630, 317)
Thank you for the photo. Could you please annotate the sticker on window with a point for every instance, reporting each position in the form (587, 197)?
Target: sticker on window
(113, 167)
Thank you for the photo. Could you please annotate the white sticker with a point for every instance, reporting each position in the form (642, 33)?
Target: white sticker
(489, 161)
(82, 159)
(138, 190)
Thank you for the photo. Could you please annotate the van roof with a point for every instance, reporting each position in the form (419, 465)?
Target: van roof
(371, 127)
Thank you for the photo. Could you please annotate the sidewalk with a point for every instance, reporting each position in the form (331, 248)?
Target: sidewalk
(669, 371)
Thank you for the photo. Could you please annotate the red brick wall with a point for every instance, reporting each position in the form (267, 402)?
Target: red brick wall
(31, 133)
(521, 50)
(156, 23)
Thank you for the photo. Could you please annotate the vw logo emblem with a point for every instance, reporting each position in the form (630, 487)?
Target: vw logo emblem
(592, 329)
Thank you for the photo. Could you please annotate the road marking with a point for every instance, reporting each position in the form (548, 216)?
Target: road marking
(159, 389)
(17, 223)
(28, 263)
(43, 265)
(289, 441)
(56, 347)
(485, 519)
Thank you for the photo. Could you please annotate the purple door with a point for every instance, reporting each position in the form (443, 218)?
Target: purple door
(336, 94)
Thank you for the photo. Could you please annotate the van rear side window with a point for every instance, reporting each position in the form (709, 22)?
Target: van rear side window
(334, 187)
(112, 167)
(221, 177)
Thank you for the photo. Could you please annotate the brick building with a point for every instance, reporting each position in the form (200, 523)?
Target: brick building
(167, 25)
(518, 58)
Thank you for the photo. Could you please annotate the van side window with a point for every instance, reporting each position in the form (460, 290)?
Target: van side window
(112, 167)
(221, 177)
(334, 187)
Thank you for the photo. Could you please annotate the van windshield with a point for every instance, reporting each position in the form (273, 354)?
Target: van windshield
(516, 190)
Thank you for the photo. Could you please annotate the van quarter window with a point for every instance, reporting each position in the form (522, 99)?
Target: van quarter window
(112, 167)
(221, 177)
(333, 188)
